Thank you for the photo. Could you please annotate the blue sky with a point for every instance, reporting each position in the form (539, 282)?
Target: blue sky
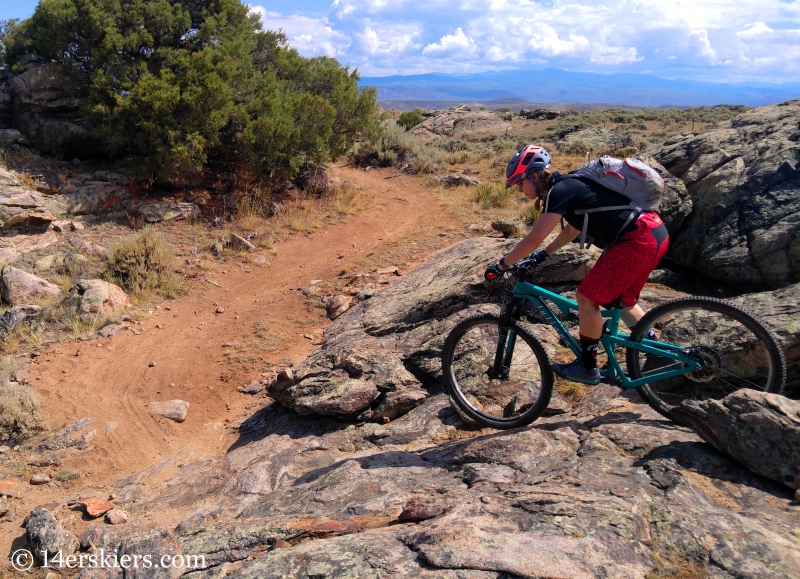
(714, 40)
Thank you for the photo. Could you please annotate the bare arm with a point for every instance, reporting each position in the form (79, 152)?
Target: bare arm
(568, 234)
(541, 229)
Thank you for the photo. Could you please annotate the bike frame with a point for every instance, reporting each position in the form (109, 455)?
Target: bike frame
(610, 338)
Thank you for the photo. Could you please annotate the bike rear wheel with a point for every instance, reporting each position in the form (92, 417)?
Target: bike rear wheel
(735, 350)
(519, 395)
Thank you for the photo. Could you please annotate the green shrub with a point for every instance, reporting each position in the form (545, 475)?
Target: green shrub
(410, 119)
(529, 214)
(180, 85)
(141, 263)
(395, 148)
(20, 419)
(66, 475)
(488, 196)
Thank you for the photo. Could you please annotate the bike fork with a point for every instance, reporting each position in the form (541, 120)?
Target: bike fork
(505, 344)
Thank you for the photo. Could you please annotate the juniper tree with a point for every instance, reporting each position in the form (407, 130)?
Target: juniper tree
(179, 84)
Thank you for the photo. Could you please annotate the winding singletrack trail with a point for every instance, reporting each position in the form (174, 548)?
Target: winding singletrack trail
(112, 380)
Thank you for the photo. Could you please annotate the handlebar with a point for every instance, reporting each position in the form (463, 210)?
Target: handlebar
(523, 266)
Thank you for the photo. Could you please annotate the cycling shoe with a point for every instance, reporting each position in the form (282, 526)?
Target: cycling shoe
(575, 372)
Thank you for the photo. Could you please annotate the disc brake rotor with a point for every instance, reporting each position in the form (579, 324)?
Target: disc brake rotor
(710, 363)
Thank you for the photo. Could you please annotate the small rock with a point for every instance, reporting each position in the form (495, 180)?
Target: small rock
(168, 211)
(511, 227)
(97, 296)
(96, 507)
(173, 409)
(21, 376)
(4, 509)
(286, 376)
(240, 243)
(112, 330)
(152, 364)
(19, 287)
(254, 387)
(220, 310)
(87, 247)
(4, 449)
(116, 517)
(40, 479)
(98, 537)
(419, 510)
(160, 326)
(45, 534)
(457, 179)
(308, 336)
(66, 225)
(260, 260)
(7, 488)
(281, 544)
(337, 305)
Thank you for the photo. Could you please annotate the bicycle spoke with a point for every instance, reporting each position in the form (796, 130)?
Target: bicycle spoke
(731, 350)
(504, 397)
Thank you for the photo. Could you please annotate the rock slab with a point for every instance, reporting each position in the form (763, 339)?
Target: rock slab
(743, 177)
(21, 206)
(760, 430)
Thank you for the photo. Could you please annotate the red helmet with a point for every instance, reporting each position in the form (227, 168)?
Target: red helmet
(529, 159)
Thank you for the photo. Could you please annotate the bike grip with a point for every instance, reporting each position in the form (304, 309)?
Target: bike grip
(492, 273)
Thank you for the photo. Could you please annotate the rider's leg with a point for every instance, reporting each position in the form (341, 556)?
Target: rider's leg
(584, 369)
(632, 315)
(590, 320)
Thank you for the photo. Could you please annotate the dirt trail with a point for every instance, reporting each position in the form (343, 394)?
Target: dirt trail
(111, 379)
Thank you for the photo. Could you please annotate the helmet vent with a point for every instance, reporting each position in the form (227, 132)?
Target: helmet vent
(527, 159)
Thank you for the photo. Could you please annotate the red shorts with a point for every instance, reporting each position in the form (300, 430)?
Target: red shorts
(621, 272)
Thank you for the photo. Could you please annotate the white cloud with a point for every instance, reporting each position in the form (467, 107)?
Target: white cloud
(703, 45)
(754, 29)
(457, 44)
(613, 55)
(546, 42)
(310, 36)
(385, 40)
(673, 38)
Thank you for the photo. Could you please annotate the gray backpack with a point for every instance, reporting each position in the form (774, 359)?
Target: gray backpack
(629, 177)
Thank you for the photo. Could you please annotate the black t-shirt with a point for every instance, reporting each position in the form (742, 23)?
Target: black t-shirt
(571, 194)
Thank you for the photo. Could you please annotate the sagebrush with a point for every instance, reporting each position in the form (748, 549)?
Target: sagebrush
(140, 263)
(20, 419)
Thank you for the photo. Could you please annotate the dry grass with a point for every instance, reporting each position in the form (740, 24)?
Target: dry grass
(674, 564)
(572, 392)
(141, 263)
(302, 213)
(20, 419)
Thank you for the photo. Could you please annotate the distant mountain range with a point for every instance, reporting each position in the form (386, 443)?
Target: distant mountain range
(561, 86)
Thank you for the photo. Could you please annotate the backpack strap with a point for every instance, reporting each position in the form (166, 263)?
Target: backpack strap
(586, 212)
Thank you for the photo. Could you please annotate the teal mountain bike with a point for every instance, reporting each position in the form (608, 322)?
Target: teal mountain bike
(498, 372)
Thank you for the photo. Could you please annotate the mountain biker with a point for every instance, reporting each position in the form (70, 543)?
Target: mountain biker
(634, 242)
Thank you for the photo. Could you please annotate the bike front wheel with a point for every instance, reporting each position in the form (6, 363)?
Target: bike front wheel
(513, 395)
(733, 349)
